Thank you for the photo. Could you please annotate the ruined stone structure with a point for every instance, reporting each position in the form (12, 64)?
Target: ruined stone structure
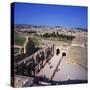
(26, 50)
(32, 64)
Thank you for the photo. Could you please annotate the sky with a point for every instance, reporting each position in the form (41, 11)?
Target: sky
(52, 15)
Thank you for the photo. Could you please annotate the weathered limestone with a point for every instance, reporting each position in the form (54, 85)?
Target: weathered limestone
(34, 63)
(25, 44)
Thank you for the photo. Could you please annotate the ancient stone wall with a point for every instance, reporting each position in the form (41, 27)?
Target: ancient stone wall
(32, 64)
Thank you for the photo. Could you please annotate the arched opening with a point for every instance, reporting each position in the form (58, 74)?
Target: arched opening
(63, 54)
(84, 45)
(57, 51)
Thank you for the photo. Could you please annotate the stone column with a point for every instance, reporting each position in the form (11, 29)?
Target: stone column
(34, 64)
(44, 55)
(53, 49)
(25, 44)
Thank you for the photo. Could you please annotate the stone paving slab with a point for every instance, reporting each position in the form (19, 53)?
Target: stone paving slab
(50, 67)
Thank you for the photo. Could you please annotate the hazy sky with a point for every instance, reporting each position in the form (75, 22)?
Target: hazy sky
(53, 15)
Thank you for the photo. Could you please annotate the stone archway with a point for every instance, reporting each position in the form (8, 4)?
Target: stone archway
(57, 51)
(64, 54)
